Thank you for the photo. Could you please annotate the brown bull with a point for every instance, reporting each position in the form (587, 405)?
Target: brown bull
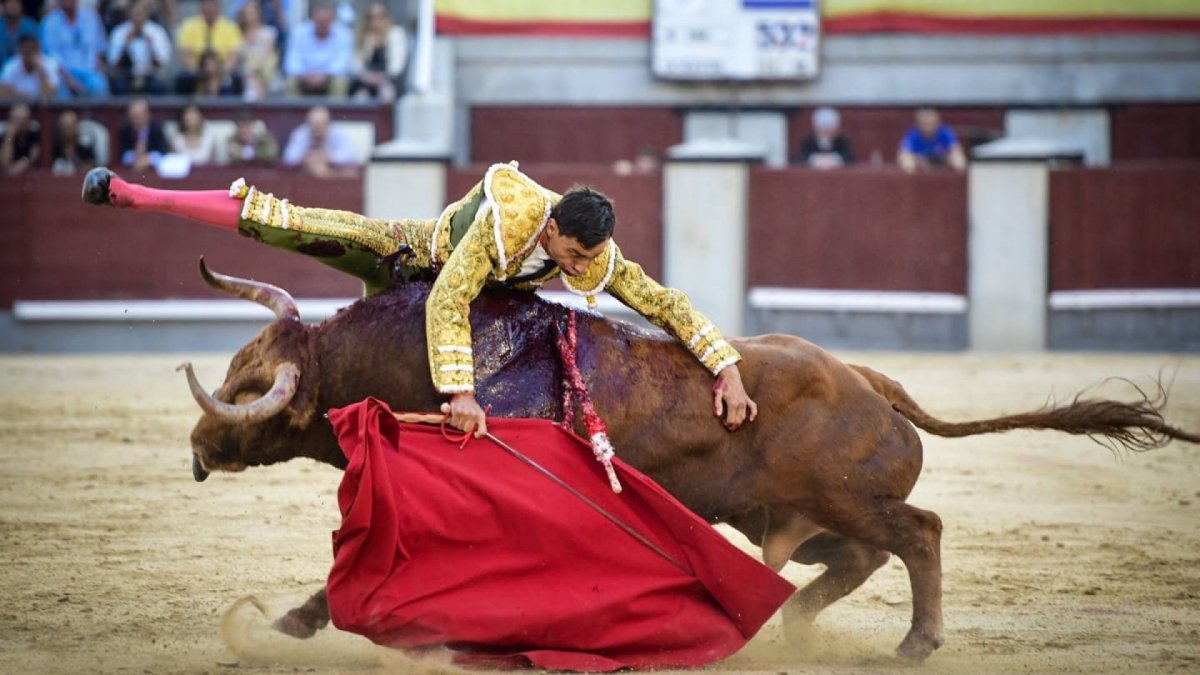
(821, 477)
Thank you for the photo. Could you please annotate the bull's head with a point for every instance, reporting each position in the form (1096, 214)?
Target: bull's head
(258, 415)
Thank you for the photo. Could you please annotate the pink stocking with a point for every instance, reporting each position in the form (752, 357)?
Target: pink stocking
(212, 207)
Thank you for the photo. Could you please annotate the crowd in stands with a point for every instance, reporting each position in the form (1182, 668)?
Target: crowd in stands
(88, 49)
(318, 146)
(76, 50)
(245, 48)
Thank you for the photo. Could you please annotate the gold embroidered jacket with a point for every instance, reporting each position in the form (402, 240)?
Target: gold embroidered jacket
(494, 247)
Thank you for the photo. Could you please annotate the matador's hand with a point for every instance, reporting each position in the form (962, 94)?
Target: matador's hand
(465, 414)
(730, 396)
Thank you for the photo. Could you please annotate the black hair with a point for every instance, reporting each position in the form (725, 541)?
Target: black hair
(26, 37)
(586, 215)
(183, 111)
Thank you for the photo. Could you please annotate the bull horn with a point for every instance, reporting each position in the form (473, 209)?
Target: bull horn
(287, 377)
(272, 297)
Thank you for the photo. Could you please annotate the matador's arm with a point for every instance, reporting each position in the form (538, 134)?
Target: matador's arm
(670, 310)
(448, 311)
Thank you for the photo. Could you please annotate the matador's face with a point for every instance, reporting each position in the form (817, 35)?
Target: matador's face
(571, 256)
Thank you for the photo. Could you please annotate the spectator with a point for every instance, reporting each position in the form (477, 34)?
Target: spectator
(30, 75)
(320, 53)
(138, 53)
(381, 55)
(320, 149)
(73, 152)
(260, 55)
(207, 32)
(194, 137)
(35, 9)
(274, 13)
(251, 143)
(211, 79)
(930, 144)
(141, 141)
(75, 38)
(19, 149)
(646, 162)
(14, 25)
(825, 147)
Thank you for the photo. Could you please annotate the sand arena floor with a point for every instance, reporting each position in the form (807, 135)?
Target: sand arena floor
(1059, 557)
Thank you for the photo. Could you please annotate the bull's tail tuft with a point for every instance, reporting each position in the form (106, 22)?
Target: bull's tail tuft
(1136, 425)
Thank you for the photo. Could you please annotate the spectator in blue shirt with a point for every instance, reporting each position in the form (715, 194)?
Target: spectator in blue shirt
(320, 56)
(12, 27)
(930, 144)
(75, 38)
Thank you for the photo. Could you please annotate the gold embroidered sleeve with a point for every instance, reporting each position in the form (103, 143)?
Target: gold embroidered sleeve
(671, 310)
(448, 311)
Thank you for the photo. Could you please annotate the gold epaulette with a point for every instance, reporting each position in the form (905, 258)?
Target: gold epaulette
(520, 209)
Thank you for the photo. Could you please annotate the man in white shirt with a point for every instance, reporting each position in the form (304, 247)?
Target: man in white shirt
(322, 150)
(138, 51)
(30, 75)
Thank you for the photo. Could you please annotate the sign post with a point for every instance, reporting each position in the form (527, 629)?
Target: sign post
(736, 39)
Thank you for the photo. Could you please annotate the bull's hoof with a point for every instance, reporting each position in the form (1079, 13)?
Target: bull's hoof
(295, 624)
(95, 186)
(917, 647)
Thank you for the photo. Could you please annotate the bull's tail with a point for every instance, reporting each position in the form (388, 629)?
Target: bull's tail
(1138, 425)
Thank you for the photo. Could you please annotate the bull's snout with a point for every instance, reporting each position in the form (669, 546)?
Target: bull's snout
(198, 470)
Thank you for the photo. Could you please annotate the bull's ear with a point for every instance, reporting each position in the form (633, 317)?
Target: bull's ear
(303, 406)
(298, 345)
(300, 412)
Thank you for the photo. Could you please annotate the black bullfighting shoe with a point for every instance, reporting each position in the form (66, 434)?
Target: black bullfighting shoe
(95, 186)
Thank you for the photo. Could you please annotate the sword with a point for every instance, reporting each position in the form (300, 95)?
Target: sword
(427, 418)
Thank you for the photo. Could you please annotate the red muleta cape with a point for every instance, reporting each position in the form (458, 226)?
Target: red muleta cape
(478, 551)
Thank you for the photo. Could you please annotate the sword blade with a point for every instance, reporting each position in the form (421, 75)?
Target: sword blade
(587, 500)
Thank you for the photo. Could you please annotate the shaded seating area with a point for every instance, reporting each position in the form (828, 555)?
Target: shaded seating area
(367, 123)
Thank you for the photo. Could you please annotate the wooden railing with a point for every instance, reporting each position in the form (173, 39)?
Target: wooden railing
(1123, 227)
(858, 229)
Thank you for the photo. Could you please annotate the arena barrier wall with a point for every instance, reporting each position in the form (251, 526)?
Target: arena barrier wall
(1125, 258)
(578, 134)
(1152, 131)
(824, 261)
(79, 278)
(585, 134)
(845, 271)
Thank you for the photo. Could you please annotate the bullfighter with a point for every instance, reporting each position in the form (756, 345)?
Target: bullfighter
(506, 230)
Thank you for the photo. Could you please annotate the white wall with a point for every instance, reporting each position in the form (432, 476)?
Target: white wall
(869, 70)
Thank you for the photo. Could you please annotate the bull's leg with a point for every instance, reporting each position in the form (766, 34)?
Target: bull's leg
(915, 535)
(304, 621)
(785, 530)
(848, 564)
